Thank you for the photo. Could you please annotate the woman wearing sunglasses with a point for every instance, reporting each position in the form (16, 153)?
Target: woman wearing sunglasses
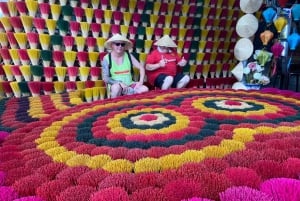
(162, 65)
(117, 68)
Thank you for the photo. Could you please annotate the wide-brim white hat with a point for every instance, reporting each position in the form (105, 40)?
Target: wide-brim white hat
(118, 38)
(250, 6)
(238, 71)
(165, 41)
(243, 49)
(247, 26)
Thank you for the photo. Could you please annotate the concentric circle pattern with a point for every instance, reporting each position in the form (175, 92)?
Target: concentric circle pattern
(162, 133)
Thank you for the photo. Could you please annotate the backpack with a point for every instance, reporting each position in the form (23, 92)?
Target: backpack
(130, 61)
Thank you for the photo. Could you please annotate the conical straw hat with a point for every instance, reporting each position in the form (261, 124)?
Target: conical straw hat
(247, 25)
(165, 41)
(238, 71)
(118, 38)
(243, 49)
(250, 6)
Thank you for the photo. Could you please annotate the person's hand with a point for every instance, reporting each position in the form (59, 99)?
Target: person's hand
(162, 63)
(182, 62)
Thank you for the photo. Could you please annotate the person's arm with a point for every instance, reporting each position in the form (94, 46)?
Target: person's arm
(138, 65)
(154, 66)
(105, 73)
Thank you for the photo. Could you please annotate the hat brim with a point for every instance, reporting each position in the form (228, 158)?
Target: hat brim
(118, 38)
(166, 41)
(250, 6)
(243, 49)
(247, 26)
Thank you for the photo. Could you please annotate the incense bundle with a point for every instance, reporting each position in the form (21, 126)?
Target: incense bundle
(44, 41)
(6, 23)
(63, 27)
(4, 52)
(104, 4)
(105, 30)
(59, 87)
(74, 27)
(100, 43)
(178, 9)
(163, 9)
(55, 11)
(89, 84)
(124, 30)
(107, 16)
(72, 72)
(67, 12)
(48, 87)
(8, 72)
(23, 56)
(70, 86)
(95, 28)
(99, 15)
(45, 10)
(24, 88)
(12, 40)
(84, 73)
(156, 7)
(96, 93)
(136, 18)
(80, 43)
(99, 83)
(32, 7)
(93, 58)
(49, 73)
(33, 39)
(39, 24)
(27, 22)
(89, 13)
(13, 11)
(16, 23)
(15, 56)
(26, 72)
(3, 40)
(60, 73)
(4, 9)
(95, 73)
(114, 29)
(58, 57)
(34, 56)
(140, 6)
(127, 18)
(2, 73)
(79, 13)
(132, 31)
(91, 43)
(160, 21)
(7, 89)
(73, 3)
(51, 26)
(68, 42)
(117, 16)
(88, 94)
(103, 92)
(148, 45)
(21, 38)
(123, 4)
(70, 57)
(153, 20)
(56, 41)
(95, 3)
(85, 27)
(16, 89)
(82, 58)
(80, 85)
(35, 88)
(84, 3)
(182, 33)
(37, 72)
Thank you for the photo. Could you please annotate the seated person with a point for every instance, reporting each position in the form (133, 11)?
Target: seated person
(117, 68)
(162, 65)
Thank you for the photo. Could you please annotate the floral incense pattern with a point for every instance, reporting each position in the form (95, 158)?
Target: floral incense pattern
(157, 140)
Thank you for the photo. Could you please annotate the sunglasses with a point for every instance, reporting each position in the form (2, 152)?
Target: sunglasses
(120, 44)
